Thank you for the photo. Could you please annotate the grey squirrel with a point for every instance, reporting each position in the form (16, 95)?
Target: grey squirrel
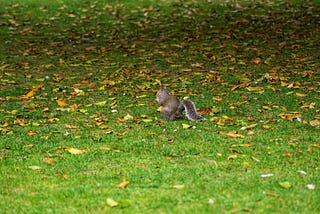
(172, 108)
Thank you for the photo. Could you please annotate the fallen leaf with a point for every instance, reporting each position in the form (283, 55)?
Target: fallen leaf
(32, 133)
(285, 184)
(315, 123)
(128, 117)
(255, 159)
(300, 95)
(232, 157)
(248, 127)
(186, 126)
(29, 146)
(29, 94)
(76, 151)
(65, 176)
(146, 120)
(48, 160)
(34, 167)
(123, 184)
(234, 135)
(111, 202)
(178, 186)
(61, 103)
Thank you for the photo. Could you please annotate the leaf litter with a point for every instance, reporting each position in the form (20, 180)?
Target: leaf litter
(219, 65)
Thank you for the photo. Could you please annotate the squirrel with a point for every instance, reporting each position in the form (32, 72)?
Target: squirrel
(172, 108)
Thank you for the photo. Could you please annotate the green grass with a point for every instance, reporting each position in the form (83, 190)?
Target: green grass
(106, 61)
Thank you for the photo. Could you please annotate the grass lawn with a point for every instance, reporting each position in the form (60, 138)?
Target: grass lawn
(79, 126)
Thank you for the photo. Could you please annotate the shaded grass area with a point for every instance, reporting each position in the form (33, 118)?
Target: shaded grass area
(72, 71)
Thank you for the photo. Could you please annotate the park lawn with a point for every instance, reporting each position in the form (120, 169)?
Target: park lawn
(79, 127)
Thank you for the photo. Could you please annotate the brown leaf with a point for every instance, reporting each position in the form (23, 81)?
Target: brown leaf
(300, 95)
(61, 103)
(48, 160)
(32, 133)
(234, 135)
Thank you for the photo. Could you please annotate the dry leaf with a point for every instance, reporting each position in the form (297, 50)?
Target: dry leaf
(248, 127)
(28, 146)
(123, 184)
(234, 135)
(29, 94)
(34, 167)
(32, 133)
(48, 160)
(232, 157)
(128, 117)
(186, 126)
(300, 95)
(111, 202)
(76, 151)
(178, 186)
(61, 103)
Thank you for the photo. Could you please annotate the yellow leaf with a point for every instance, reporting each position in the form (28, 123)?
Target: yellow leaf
(147, 120)
(232, 157)
(102, 103)
(53, 119)
(111, 202)
(285, 184)
(178, 186)
(76, 151)
(186, 126)
(123, 184)
(300, 95)
(30, 94)
(34, 167)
